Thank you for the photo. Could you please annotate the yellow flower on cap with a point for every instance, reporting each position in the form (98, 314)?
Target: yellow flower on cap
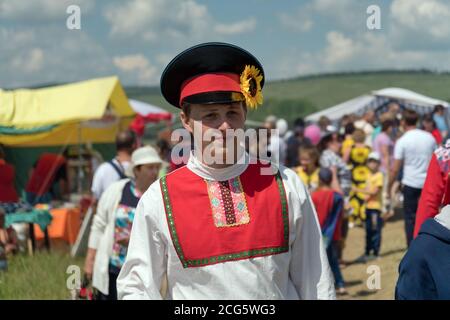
(251, 86)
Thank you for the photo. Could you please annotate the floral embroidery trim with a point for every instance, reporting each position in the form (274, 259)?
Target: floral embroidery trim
(231, 256)
(228, 203)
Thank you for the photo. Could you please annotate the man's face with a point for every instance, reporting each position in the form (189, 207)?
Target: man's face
(221, 117)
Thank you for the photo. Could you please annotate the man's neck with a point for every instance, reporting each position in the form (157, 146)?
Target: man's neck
(409, 128)
(123, 156)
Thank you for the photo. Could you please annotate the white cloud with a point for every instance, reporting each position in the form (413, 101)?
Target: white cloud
(130, 62)
(346, 14)
(339, 48)
(41, 10)
(155, 19)
(164, 58)
(59, 56)
(29, 62)
(415, 35)
(425, 18)
(237, 27)
(166, 21)
(365, 51)
(299, 22)
(371, 51)
(138, 64)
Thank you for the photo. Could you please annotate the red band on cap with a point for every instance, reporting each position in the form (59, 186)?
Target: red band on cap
(210, 82)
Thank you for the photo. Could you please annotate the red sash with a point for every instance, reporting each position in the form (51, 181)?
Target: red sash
(197, 239)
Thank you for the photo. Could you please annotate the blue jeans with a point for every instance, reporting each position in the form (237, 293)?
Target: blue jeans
(411, 198)
(332, 253)
(374, 224)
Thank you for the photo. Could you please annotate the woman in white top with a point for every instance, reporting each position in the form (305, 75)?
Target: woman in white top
(111, 227)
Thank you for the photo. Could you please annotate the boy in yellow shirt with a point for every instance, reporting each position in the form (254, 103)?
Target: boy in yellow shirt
(373, 197)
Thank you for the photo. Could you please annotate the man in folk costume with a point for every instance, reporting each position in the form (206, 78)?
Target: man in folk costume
(245, 230)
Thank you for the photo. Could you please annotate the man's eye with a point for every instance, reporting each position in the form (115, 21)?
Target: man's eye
(210, 116)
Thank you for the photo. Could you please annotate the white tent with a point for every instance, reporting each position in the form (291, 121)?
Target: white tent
(148, 110)
(336, 112)
(408, 96)
(376, 101)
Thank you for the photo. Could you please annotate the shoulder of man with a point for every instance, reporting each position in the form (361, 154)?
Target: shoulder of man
(292, 180)
(153, 204)
(102, 167)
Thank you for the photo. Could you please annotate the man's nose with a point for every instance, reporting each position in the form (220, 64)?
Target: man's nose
(224, 125)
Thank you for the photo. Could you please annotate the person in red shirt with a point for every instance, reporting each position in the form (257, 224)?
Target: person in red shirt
(430, 126)
(329, 206)
(7, 173)
(436, 189)
(49, 169)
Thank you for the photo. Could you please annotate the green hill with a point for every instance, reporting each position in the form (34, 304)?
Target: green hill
(302, 96)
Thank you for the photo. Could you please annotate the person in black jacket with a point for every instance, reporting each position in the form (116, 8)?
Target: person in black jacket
(424, 272)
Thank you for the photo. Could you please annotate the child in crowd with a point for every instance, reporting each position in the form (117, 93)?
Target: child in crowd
(308, 171)
(373, 203)
(329, 206)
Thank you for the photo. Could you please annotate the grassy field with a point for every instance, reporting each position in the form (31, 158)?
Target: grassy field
(42, 276)
(299, 97)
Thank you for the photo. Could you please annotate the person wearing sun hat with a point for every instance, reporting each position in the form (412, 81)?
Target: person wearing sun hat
(110, 230)
(233, 227)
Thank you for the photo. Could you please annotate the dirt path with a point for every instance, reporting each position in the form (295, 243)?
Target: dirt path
(393, 247)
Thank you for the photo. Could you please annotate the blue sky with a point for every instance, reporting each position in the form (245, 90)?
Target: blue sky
(135, 39)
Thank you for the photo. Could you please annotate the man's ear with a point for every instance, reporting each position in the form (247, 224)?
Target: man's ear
(185, 121)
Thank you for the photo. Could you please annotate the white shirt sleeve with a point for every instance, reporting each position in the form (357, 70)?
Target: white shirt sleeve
(142, 275)
(399, 153)
(309, 267)
(97, 182)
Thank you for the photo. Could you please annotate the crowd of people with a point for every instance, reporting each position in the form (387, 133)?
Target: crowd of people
(359, 168)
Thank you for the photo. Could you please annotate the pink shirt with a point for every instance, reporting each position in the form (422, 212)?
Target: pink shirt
(383, 140)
